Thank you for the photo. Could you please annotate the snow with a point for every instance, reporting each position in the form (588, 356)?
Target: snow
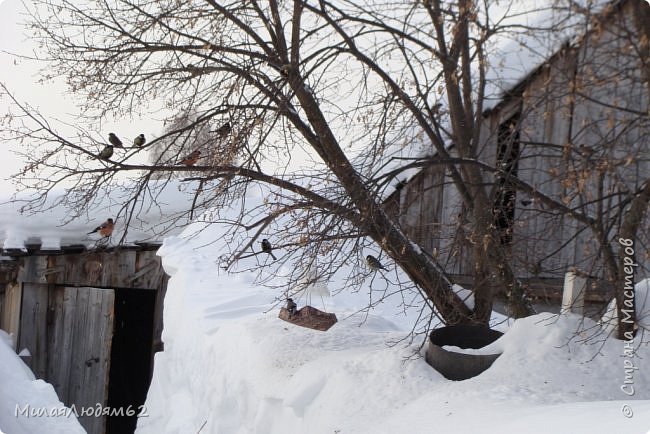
(231, 366)
(53, 227)
(465, 294)
(642, 304)
(20, 390)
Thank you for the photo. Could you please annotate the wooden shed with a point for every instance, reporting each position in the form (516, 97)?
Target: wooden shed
(589, 100)
(91, 321)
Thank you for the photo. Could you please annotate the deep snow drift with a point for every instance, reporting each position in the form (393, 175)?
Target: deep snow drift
(229, 366)
(22, 397)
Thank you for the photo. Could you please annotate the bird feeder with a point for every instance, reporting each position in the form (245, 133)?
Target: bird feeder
(309, 317)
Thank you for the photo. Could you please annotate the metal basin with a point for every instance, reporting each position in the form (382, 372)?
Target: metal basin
(458, 366)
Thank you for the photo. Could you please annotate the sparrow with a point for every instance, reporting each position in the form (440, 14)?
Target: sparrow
(224, 130)
(291, 307)
(191, 159)
(266, 248)
(139, 141)
(115, 141)
(105, 229)
(106, 153)
(374, 263)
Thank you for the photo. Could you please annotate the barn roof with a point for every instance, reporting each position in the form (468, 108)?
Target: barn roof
(54, 230)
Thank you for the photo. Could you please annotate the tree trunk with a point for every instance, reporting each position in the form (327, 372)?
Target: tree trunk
(624, 282)
(420, 268)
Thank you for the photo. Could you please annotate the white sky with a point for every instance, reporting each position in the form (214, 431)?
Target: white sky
(21, 77)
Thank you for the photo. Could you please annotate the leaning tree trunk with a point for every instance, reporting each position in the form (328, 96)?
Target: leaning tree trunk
(420, 268)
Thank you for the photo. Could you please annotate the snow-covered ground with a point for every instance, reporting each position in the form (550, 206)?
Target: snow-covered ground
(231, 366)
(27, 405)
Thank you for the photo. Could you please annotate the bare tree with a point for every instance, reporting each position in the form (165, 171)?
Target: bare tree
(342, 84)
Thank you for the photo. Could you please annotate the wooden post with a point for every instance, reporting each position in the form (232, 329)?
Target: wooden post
(573, 297)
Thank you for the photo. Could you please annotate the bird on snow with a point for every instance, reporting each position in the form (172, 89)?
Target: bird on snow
(115, 141)
(105, 229)
(291, 307)
(267, 248)
(139, 141)
(374, 263)
(191, 159)
(106, 153)
(224, 130)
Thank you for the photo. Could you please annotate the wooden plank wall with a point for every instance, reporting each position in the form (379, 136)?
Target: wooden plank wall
(91, 352)
(68, 329)
(33, 326)
(68, 332)
(115, 269)
(10, 310)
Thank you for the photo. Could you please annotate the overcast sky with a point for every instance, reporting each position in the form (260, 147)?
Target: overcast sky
(21, 76)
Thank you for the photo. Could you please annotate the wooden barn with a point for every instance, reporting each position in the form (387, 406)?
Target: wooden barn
(91, 321)
(577, 129)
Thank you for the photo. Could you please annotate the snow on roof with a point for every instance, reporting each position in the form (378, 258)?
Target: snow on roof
(155, 217)
(513, 57)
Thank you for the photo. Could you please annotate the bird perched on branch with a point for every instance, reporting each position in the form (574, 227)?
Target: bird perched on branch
(139, 141)
(267, 248)
(285, 69)
(115, 141)
(191, 159)
(106, 153)
(105, 229)
(374, 263)
(291, 307)
(224, 130)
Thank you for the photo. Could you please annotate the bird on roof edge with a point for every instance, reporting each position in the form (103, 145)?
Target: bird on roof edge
(105, 229)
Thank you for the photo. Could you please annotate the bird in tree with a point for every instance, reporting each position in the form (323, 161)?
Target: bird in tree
(139, 141)
(106, 153)
(191, 159)
(374, 263)
(224, 130)
(115, 141)
(267, 248)
(285, 69)
(105, 229)
(291, 307)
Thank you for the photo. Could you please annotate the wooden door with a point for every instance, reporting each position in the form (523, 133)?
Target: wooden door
(72, 348)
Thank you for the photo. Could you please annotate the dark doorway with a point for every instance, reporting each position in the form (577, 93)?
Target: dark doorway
(130, 372)
(507, 164)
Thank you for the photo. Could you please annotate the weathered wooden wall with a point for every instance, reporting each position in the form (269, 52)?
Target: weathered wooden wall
(68, 332)
(10, 309)
(61, 308)
(566, 104)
